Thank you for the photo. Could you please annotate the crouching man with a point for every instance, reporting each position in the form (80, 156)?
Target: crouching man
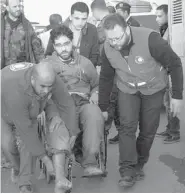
(81, 79)
(27, 91)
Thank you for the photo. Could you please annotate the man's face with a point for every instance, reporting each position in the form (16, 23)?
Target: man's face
(122, 13)
(118, 37)
(42, 87)
(79, 19)
(63, 46)
(96, 14)
(14, 8)
(162, 17)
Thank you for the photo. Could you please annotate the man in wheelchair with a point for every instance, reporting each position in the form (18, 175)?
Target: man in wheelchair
(27, 91)
(81, 79)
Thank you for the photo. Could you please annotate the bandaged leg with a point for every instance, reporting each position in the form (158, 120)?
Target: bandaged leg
(58, 145)
(92, 123)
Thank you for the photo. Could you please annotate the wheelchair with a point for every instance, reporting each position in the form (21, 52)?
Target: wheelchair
(101, 155)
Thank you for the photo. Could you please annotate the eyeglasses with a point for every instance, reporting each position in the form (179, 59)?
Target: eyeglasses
(116, 39)
(66, 44)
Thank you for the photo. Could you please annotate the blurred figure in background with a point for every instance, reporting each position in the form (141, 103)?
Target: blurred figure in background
(111, 9)
(19, 42)
(172, 132)
(55, 20)
(124, 10)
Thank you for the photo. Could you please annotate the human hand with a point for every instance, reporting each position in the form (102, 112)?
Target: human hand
(175, 106)
(94, 98)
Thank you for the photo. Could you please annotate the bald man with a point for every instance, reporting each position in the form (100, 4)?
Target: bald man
(27, 91)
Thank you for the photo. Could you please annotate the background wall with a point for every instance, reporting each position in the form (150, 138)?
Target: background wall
(40, 10)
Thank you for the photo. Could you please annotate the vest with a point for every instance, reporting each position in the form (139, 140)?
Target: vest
(140, 71)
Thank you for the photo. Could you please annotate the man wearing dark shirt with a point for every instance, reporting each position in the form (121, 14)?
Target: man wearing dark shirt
(138, 57)
(172, 132)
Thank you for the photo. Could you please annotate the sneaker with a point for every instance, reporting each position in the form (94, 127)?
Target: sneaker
(114, 140)
(162, 134)
(26, 189)
(171, 139)
(127, 181)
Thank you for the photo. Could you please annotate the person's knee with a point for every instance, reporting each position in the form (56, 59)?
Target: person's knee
(8, 142)
(93, 112)
(59, 139)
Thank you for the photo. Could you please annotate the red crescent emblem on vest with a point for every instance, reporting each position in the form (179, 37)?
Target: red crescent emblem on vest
(139, 60)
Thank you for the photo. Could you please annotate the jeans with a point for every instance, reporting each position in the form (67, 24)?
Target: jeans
(173, 126)
(134, 109)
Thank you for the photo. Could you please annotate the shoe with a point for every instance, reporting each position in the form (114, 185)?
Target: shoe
(114, 140)
(14, 175)
(127, 181)
(162, 134)
(91, 171)
(171, 139)
(26, 189)
(139, 172)
(63, 185)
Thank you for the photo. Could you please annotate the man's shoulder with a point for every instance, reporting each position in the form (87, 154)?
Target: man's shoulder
(91, 28)
(133, 22)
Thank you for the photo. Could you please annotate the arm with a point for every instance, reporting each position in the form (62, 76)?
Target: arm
(106, 82)
(93, 77)
(49, 49)
(65, 106)
(51, 110)
(95, 50)
(38, 50)
(18, 108)
(163, 53)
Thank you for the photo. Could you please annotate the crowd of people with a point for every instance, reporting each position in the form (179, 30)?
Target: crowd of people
(138, 71)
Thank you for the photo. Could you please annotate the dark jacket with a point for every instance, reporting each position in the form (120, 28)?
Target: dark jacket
(89, 46)
(132, 22)
(33, 46)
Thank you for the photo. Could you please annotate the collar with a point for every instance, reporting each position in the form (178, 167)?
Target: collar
(84, 29)
(131, 42)
(128, 18)
(75, 58)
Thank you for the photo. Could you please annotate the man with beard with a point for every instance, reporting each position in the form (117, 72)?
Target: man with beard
(81, 79)
(172, 132)
(138, 57)
(85, 40)
(19, 42)
(27, 91)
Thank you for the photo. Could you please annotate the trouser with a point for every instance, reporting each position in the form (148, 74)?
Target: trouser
(21, 159)
(91, 122)
(16, 152)
(134, 109)
(173, 126)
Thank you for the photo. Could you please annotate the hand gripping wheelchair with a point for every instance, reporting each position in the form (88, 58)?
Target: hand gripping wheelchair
(101, 155)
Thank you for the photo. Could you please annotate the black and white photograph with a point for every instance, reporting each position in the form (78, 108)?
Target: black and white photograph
(92, 96)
